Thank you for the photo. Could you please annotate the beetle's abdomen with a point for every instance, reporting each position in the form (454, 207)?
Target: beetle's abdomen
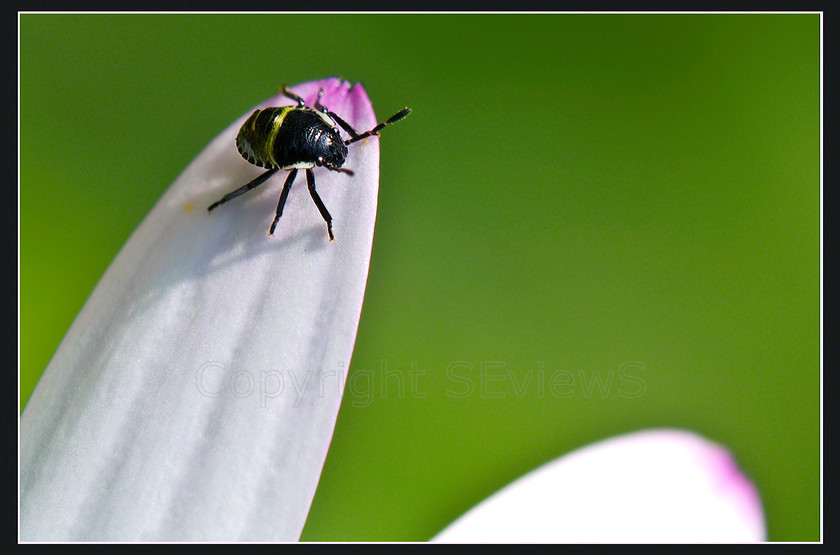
(256, 138)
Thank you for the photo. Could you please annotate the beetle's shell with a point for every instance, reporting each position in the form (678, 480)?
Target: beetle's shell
(290, 137)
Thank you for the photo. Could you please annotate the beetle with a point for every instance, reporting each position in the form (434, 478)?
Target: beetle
(293, 138)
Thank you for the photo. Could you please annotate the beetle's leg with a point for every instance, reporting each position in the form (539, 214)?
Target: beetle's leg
(318, 106)
(310, 181)
(338, 119)
(375, 131)
(282, 203)
(244, 189)
(288, 92)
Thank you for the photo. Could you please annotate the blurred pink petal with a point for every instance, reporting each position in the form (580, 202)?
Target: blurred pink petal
(649, 486)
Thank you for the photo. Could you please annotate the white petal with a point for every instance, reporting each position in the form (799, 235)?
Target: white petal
(650, 486)
(195, 395)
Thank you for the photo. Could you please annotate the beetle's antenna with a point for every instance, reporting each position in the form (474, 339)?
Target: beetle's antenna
(375, 131)
(341, 170)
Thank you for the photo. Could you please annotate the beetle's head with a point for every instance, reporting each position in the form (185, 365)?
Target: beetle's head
(332, 150)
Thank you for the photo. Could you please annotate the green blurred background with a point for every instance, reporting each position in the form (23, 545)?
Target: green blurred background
(591, 224)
